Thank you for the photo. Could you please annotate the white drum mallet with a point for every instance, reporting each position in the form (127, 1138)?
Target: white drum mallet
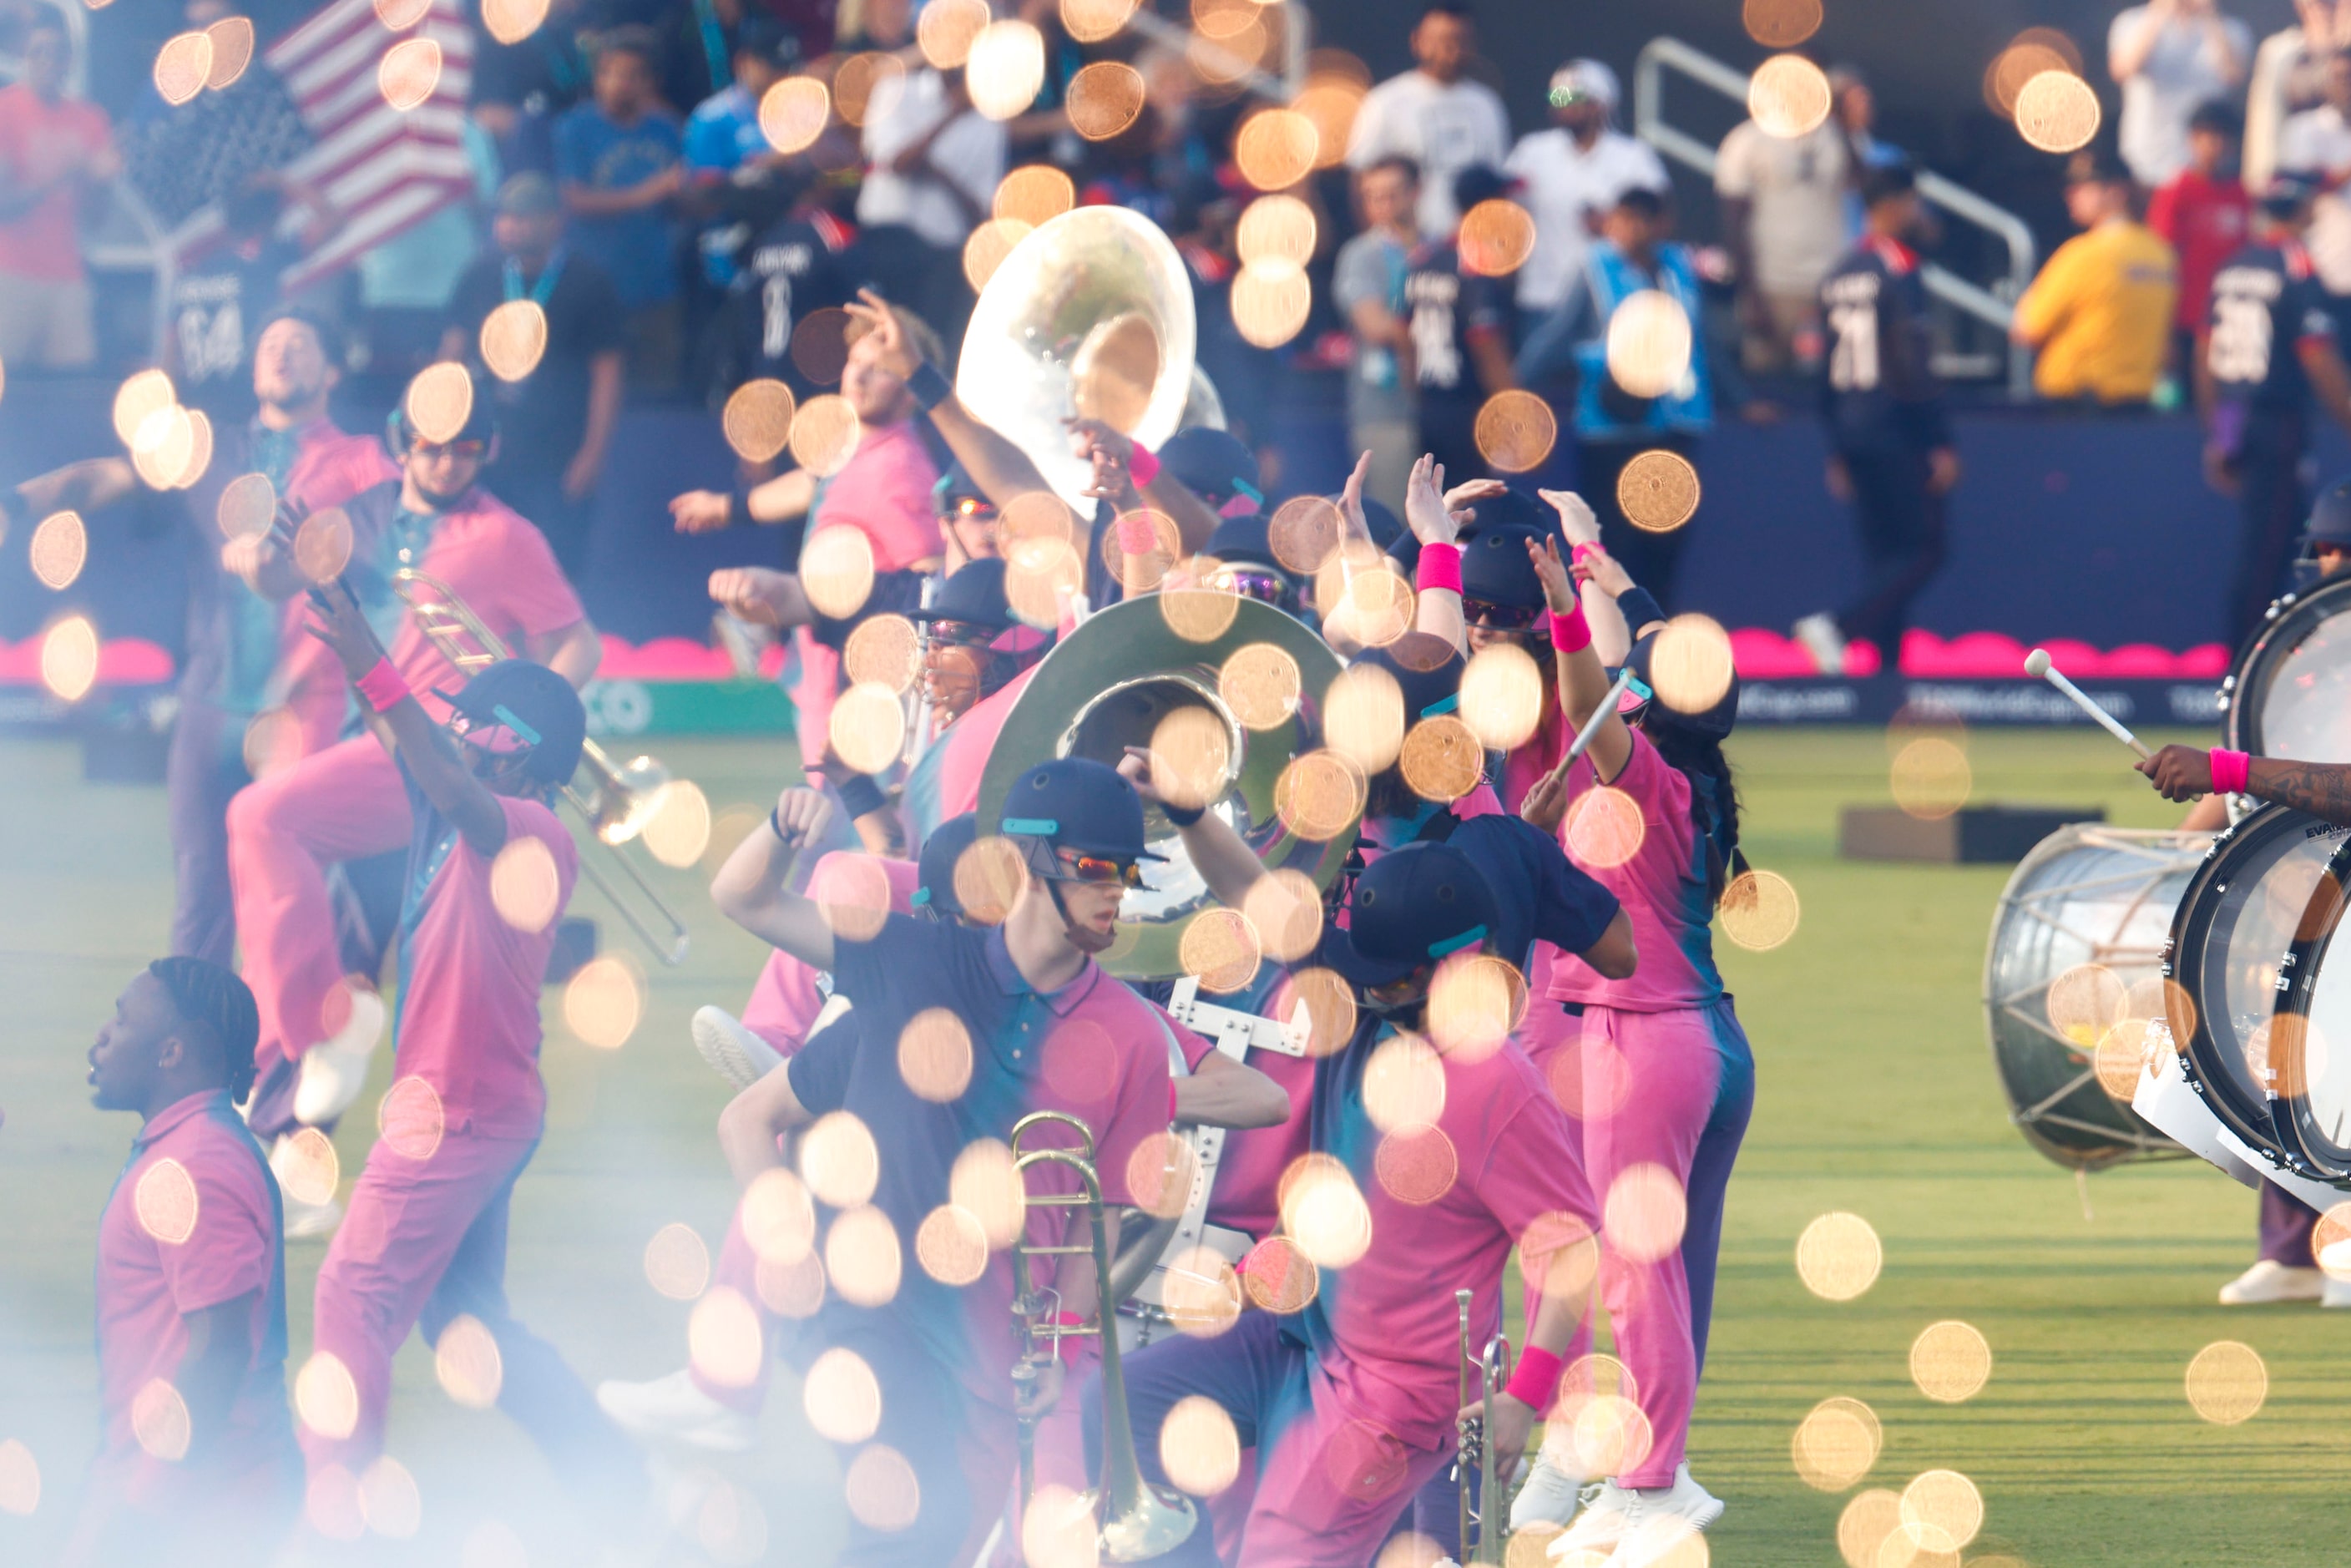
(2037, 664)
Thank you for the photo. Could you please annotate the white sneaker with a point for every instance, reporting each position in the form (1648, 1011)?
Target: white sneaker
(1660, 1518)
(1819, 635)
(734, 1052)
(1604, 1522)
(335, 1070)
(312, 1221)
(741, 642)
(673, 1409)
(1548, 1497)
(2336, 1294)
(2268, 1281)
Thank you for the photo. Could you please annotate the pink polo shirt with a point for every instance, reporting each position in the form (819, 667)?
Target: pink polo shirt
(500, 565)
(332, 467)
(469, 982)
(885, 493)
(1663, 887)
(1386, 1325)
(193, 1223)
(970, 741)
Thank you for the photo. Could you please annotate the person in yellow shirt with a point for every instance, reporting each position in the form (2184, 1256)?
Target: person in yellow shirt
(2100, 309)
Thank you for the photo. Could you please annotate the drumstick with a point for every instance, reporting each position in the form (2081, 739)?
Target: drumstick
(2037, 664)
(1592, 726)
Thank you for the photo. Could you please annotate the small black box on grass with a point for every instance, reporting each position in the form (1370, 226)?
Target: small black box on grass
(575, 943)
(1976, 835)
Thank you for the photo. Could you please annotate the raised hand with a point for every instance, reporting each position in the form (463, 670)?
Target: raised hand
(701, 511)
(1351, 501)
(1576, 516)
(1595, 565)
(1424, 512)
(801, 814)
(337, 621)
(899, 356)
(1559, 587)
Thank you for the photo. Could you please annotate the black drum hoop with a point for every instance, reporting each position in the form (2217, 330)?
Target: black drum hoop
(2248, 681)
(2326, 1156)
(2204, 1056)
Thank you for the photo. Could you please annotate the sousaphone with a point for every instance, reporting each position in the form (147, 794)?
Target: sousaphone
(1091, 316)
(1107, 685)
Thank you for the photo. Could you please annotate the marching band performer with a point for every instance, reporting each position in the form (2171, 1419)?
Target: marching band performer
(1350, 1403)
(425, 1240)
(1667, 1074)
(1044, 1029)
(243, 653)
(345, 802)
(191, 1290)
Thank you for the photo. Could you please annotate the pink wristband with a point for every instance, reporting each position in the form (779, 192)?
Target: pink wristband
(2231, 772)
(1144, 466)
(1570, 634)
(1536, 1380)
(1579, 552)
(382, 686)
(1440, 567)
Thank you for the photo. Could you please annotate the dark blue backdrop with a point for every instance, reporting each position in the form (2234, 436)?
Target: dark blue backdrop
(2094, 527)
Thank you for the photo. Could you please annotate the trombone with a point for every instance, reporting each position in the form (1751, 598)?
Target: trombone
(615, 802)
(1139, 1520)
(1471, 1451)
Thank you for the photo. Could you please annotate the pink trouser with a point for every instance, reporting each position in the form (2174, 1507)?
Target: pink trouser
(339, 804)
(426, 1241)
(1673, 1090)
(1551, 1037)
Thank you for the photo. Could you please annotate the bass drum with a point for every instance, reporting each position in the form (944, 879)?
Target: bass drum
(2309, 1054)
(2248, 906)
(2289, 694)
(2087, 898)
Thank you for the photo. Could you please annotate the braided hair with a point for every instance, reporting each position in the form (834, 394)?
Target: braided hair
(1714, 800)
(206, 993)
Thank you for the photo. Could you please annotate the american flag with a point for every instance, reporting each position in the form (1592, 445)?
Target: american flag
(379, 169)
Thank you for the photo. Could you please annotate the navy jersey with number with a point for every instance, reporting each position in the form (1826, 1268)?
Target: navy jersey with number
(2267, 302)
(1879, 386)
(1446, 306)
(798, 265)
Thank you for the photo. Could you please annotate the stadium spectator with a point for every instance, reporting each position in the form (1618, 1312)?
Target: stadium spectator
(1462, 324)
(2288, 75)
(219, 302)
(1433, 115)
(2317, 143)
(55, 153)
(2167, 56)
(1889, 435)
(555, 421)
(521, 89)
(883, 26)
(618, 159)
(406, 283)
(724, 144)
(1612, 424)
(1852, 107)
(932, 166)
(1572, 174)
(1369, 285)
(2101, 311)
(1783, 221)
(805, 261)
(2203, 214)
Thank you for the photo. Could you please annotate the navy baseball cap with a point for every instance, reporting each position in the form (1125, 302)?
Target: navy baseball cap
(1214, 465)
(1428, 670)
(975, 595)
(2289, 190)
(1495, 569)
(935, 868)
(2330, 517)
(1714, 724)
(1077, 803)
(957, 491)
(534, 702)
(1246, 541)
(1411, 906)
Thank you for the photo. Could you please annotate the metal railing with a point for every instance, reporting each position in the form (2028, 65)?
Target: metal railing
(1969, 298)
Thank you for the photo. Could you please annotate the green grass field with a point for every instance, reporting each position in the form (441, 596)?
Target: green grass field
(1876, 1094)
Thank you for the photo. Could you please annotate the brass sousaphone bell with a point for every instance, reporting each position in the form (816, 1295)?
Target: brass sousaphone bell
(1107, 685)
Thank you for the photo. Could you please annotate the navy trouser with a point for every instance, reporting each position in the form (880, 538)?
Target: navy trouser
(1902, 542)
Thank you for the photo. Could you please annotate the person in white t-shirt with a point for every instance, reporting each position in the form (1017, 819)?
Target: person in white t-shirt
(1784, 215)
(1433, 115)
(2170, 56)
(2317, 142)
(1572, 174)
(932, 166)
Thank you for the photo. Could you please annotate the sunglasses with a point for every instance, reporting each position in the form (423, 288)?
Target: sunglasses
(960, 635)
(1398, 992)
(1268, 587)
(465, 451)
(968, 510)
(1501, 617)
(1101, 870)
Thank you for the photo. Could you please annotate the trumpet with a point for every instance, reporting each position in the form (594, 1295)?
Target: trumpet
(614, 800)
(1472, 1452)
(1138, 1520)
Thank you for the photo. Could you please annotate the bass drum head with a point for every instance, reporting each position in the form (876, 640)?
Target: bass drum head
(2289, 694)
(2237, 919)
(2089, 907)
(2309, 1034)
